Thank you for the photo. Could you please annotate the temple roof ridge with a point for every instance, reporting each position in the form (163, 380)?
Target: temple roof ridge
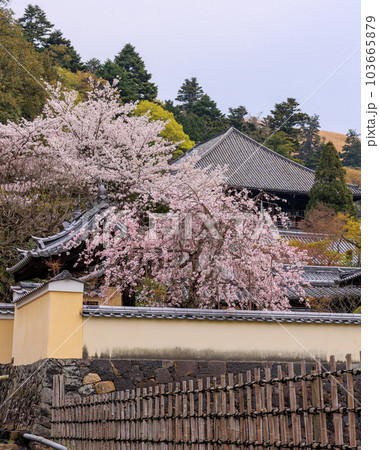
(267, 170)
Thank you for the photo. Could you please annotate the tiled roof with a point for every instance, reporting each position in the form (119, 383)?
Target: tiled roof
(323, 282)
(64, 275)
(254, 166)
(327, 292)
(345, 278)
(6, 309)
(216, 314)
(340, 246)
(56, 244)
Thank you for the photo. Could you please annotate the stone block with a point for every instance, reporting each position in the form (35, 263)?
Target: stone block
(148, 367)
(217, 368)
(91, 378)
(163, 376)
(104, 387)
(186, 368)
(122, 384)
(103, 368)
(87, 389)
(167, 363)
(123, 366)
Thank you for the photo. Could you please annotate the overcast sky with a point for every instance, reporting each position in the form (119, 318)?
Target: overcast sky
(245, 52)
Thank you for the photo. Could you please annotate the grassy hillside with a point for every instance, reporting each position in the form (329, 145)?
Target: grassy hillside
(353, 176)
(338, 139)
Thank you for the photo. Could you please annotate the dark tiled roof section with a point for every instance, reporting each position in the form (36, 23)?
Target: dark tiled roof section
(326, 275)
(254, 166)
(341, 246)
(56, 244)
(348, 277)
(327, 292)
(64, 275)
(322, 282)
(215, 314)
(6, 309)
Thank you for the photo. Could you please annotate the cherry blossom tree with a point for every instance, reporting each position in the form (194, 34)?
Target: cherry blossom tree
(174, 234)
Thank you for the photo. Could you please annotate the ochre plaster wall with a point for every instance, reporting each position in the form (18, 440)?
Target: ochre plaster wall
(31, 325)
(6, 340)
(48, 326)
(65, 325)
(219, 340)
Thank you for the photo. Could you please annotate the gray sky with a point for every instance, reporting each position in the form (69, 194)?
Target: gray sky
(245, 52)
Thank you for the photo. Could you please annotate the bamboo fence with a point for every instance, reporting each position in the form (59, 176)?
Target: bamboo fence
(317, 408)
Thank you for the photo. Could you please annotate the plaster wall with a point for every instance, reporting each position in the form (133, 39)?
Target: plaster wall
(48, 323)
(65, 325)
(6, 339)
(109, 337)
(31, 330)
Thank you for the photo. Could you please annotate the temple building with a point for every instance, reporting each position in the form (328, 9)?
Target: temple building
(257, 168)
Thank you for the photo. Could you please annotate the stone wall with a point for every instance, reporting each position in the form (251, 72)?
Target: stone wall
(29, 388)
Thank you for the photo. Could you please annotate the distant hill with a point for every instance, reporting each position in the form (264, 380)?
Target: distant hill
(338, 139)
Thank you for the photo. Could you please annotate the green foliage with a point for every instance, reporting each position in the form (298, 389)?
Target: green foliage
(78, 81)
(207, 109)
(281, 143)
(329, 187)
(134, 80)
(198, 113)
(351, 151)
(93, 65)
(61, 51)
(313, 158)
(310, 137)
(35, 26)
(173, 131)
(288, 117)
(20, 94)
(189, 93)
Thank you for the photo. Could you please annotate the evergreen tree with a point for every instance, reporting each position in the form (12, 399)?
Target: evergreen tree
(93, 65)
(127, 88)
(195, 127)
(62, 52)
(134, 81)
(189, 93)
(236, 116)
(329, 187)
(281, 143)
(287, 117)
(35, 26)
(312, 160)
(207, 109)
(310, 137)
(351, 151)
(237, 119)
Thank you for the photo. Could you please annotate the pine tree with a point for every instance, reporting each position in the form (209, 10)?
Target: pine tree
(329, 187)
(351, 151)
(287, 117)
(135, 81)
(62, 52)
(35, 26)
(93, 65)
(189, 93)
(310, 136)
